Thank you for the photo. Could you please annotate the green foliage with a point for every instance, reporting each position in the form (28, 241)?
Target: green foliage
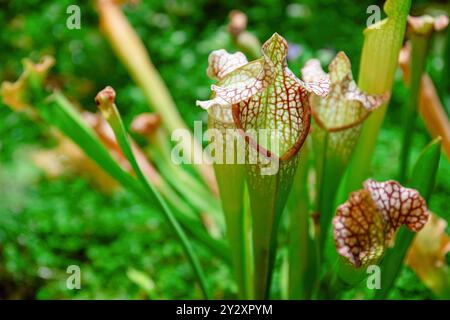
(45, 229)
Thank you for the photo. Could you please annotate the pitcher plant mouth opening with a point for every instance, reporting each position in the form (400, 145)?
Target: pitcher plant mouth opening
(288, 154)
(264, 94)
(346, 106)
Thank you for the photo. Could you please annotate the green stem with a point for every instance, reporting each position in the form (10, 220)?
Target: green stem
(231, 178)
(331, 162)
(263, 223)
(331, 168)
(342, 278)
(268, 196)
(321, 160)
(302, 268)
(419, 50)
(379, 60)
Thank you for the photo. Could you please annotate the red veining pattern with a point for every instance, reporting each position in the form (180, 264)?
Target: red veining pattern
(345, 106)
(281, 107)
(221, 63)
(366, 223)
(358, 230)
(398, 205)
(264, 94)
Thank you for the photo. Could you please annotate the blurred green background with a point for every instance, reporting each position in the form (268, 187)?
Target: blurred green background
(124, 250)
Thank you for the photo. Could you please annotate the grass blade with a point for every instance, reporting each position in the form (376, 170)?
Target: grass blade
(105, 100)
(59, 112)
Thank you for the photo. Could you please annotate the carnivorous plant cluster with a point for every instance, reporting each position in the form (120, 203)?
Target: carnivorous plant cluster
(261, 186)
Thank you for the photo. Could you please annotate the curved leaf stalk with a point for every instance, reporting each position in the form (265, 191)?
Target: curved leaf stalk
(369, 231)
(423, 179)
(105, 101)
(379, 59)
(135, 58)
